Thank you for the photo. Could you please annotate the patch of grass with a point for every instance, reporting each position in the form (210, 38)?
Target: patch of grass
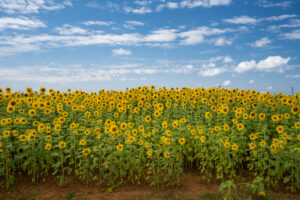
(209, 196)
(70, 195)
(149, 196)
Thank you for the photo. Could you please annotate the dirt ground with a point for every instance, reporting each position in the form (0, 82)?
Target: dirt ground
(192, 188)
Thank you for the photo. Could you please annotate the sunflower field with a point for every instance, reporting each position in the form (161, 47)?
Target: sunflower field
(148, 134)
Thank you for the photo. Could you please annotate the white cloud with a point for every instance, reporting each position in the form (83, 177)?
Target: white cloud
(266, 4)
(271, 63)
(162, 35)
(121, 51)
(245, 66)
(135, 23)
(278, 18)
(226, 83)
(70, 30)
(100, 23)
(222, 42)
(172, 5)
(203, 3)
(227, 59)
(141, 10)
(211, 71)
(131, 24)
(294, 35)
(31, 6)
(196, 36)
(292, 76)
(269, 88)
(159, 8)
(142, 3)
(251, 81)
(261, 42)
(20, 23)
(241, 20)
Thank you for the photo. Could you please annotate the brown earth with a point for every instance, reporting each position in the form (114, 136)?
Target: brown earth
(191, 188)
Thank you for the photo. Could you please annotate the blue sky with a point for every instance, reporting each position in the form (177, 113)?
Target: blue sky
(90, 45)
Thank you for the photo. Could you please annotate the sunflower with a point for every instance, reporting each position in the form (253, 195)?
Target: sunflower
(252, 136)
(167, 141)
(43, 90)
(202, 139)
(175, 124)
(280, 129)
(226, 145)
(82, 142)
(262, 116)
(62, 144)
(32, 112)
(22, 138)
(149, 153)
(6, 133)
(119, 147)
(295, 109)
(240, 127)
(10, 109)
(57, 127)
(164, 124)
(252, 145)
(253, 115)
(86, 151)
(167, 154)
(297, 125)
(234, 147)
(168, 133)
(226, 127)
(208, 115)
(48, 146)
(87, 132)
(147, 118)
(181, 141)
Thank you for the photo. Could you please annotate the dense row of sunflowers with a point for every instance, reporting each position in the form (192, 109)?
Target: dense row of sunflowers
(149, 134)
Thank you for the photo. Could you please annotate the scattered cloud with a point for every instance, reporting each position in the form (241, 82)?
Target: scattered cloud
(141, 10)
(294, 23)
(109, 5)
(172, 5)
(132, 24)
(251, 81)
(31, 6)
(269, 88)
(261, 42)
(143, 3)
(20, 23)
(203, 3)
(294, 35)
(161, 35)
(70, 30)
(253, 21)
(241, 20)
(222, 42)
(268, 4)
(226, 83)
(214, 71)
(160, 7)
(121, 51)
(292, 76)
(100, 23)
(271, 63)
(278, 18)
(196, 36)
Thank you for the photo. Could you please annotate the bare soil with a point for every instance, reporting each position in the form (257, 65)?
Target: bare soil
(191, 188)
